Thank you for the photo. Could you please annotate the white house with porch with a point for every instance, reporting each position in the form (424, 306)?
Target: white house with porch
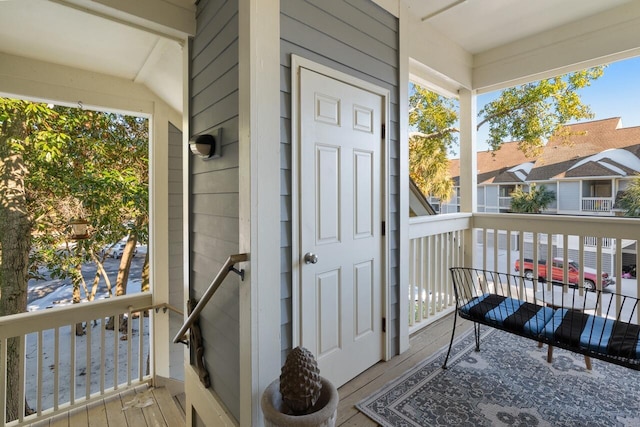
(310, 196)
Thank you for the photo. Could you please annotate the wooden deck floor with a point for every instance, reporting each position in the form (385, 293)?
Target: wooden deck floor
(123, 411)
(422, 345)
(168, 411)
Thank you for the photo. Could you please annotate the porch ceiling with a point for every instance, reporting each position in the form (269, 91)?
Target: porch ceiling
(480, 25)
(97, 36)
(477, 44)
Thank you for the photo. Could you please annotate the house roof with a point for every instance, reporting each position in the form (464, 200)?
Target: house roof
(570, 153)
(508, 164)
(590, 149)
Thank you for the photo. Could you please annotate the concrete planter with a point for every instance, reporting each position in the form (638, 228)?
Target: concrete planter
(276, 413)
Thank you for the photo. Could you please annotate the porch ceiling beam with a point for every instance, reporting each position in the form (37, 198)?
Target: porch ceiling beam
(175, 19)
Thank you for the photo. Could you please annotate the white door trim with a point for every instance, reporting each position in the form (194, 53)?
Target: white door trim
(298, 62)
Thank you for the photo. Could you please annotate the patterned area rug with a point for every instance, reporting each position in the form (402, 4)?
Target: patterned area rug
(508, 383)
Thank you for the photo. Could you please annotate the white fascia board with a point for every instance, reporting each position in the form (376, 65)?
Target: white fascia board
(430, 47)
(595, 40)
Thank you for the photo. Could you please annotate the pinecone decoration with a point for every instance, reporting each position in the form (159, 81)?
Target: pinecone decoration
(300, 381)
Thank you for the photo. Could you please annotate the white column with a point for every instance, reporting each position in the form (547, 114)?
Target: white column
(158, 234)
(403, 101)
(468, 166)
(259, 174)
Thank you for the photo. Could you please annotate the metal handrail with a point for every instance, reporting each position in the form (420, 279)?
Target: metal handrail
(213, 287)
(164, 306)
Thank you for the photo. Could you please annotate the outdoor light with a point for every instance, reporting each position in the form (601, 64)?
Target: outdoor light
(79, 229)
(207, 146)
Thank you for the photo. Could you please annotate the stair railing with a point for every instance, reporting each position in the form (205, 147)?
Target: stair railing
(213, 287)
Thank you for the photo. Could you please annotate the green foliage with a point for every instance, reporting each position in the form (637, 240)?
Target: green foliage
(530, 114)
(533, 201)
(434, 117)
(629, 202)
(79, 163)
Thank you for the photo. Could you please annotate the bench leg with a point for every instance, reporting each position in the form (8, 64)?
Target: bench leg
(587, 362)
(453, 333)
(550, 354)
(476, 330)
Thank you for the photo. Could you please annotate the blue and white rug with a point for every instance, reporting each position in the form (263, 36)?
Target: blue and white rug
(508, 383)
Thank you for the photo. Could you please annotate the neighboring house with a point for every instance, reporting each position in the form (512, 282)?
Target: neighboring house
(586, 168)
(312, 99)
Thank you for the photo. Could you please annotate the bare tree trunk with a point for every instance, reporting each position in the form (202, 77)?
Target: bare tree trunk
(15, 243)
(77, 282)
(145, 274)
(125, 265)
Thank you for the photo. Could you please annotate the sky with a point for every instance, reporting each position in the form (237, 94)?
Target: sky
(615, 94)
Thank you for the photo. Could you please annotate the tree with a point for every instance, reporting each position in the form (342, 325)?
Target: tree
(535, 200)
(629, 201)
(529, 113)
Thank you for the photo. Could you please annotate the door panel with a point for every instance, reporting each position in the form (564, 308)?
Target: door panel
(340, 217)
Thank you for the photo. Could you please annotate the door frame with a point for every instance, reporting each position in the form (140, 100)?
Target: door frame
(297, 63)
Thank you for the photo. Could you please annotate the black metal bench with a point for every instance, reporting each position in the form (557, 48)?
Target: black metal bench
(602, 325)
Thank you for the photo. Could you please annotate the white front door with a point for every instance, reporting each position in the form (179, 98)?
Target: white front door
(340, 220)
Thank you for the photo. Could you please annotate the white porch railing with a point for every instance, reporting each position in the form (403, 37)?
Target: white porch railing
(498, 240)
(59, 370)
(597, 204)
(436, 244)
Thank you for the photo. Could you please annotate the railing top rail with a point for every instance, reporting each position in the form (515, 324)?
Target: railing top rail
(617, 227)
(435, 224)
(32, 321)
(213, 287)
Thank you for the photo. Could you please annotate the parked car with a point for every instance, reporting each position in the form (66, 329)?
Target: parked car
(117, 250)
(557, 273)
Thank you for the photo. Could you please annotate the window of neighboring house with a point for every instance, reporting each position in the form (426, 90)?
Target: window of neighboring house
(600, 188)
(506, 190)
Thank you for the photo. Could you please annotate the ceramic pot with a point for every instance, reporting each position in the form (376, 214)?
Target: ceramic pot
(323, 414)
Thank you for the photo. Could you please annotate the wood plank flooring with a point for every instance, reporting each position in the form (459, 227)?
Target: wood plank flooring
(422, 345)
(169, 411)
(122, 411)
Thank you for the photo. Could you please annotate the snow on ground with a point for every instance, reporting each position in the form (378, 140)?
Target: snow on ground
(56, 293)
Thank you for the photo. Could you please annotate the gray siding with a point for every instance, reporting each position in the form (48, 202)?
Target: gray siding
(480, 195)
(568, 196)
(214, 229)
(491, 200)
(176, 245)
(361, 39)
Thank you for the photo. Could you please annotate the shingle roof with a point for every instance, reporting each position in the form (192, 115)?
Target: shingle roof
(574, 144)
(491, 166)
(579, 141)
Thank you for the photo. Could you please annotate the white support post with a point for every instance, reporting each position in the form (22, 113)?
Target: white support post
(158, 236)
(403, 100)
(468, 166)
(259, 187)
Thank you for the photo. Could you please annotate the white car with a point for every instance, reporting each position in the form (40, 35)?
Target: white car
(117, 250)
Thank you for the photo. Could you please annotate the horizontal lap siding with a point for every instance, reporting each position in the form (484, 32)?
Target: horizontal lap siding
(360, 39)
(214, 226)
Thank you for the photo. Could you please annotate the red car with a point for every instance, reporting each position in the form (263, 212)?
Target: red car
(557, 273)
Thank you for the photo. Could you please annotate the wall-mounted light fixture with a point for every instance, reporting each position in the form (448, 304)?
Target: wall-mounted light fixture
(207, 146)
